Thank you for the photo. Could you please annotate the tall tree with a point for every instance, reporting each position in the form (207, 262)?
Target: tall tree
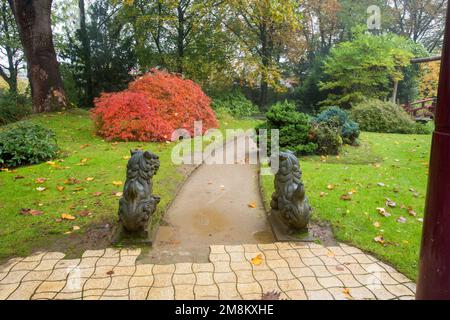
(86, 51)
(33, 20)
(10, 47)
(263, 28)
(367, 67)
(111, 53)
(420, 20)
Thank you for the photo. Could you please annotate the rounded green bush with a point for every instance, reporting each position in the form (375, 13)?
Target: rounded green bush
(340, 120)
(26, 143)
(328, 138)
(294, 128)
(13, 107)
(381, 116)
(235, 103)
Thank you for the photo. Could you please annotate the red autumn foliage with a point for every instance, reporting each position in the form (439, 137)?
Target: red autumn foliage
(152, 108)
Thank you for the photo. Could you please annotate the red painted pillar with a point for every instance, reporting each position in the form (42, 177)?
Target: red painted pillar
(434, 267)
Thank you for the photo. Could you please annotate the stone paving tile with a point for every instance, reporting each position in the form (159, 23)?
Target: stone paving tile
(298, 271)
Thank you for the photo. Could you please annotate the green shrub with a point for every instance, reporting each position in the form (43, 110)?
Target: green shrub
(234, 103)
(26, 143)
(380, 116)
(424, 128)
(327, 137)
(340, 120)
(13, 107)
(294, 128)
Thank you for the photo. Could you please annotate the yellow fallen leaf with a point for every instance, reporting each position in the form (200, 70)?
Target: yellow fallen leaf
(51, 163)
(60, 188)
(346, 291)
(258, 260)
(126, 158)
(330, 186)
(76, 228)
(377, 224)
(90, 179)
(252, 205)
(117, 183)
(331, 254)
(66, 216)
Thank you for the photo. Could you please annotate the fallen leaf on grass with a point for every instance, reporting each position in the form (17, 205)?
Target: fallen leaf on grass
(84, 213)
(76, 228)
(84, 146)
(72, 181)
(90, 179)
(117, 194)
(40, 180)
(390, 203)
(258, 260)
(252, 205)
(346, 197)
(381, 184)
(379, 240)
(322, 194)
(377, 224)
(331, 187)
(30, 212)
(117, 183)
(66, 216)
(78, 189)
(420, 220)
(383, 212)
(19, 177)
(401, 220)
(411, 212)
(40, 189)
(97, 194)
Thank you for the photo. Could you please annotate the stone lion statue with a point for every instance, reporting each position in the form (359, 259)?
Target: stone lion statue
(289, 200)
(138, 204)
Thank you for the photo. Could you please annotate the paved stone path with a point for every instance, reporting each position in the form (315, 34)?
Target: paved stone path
(213, 207)
(298, 271)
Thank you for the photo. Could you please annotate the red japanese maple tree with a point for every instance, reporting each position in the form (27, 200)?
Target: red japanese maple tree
(152, 108)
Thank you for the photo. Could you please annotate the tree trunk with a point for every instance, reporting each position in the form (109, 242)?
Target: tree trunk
(86, 54)
(395, 91)
(34, 24)
(10, 79)
(265, 59)
(180, 39)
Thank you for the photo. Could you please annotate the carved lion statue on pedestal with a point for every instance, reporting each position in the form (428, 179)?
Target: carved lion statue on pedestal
(289, 200)
(138, 204)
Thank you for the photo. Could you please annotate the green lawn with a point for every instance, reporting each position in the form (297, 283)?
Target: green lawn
(96, 168)
(385, 166)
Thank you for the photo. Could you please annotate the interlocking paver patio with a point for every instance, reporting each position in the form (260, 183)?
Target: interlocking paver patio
(297, 271)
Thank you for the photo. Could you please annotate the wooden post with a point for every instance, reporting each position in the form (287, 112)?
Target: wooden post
(434, 268)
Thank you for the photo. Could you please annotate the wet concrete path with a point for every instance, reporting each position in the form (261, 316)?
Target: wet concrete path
(219, 204)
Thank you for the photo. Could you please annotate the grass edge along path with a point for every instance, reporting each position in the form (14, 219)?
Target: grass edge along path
(76, 195)
(388, 174)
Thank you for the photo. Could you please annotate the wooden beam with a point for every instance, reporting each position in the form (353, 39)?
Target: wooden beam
(427, 59)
